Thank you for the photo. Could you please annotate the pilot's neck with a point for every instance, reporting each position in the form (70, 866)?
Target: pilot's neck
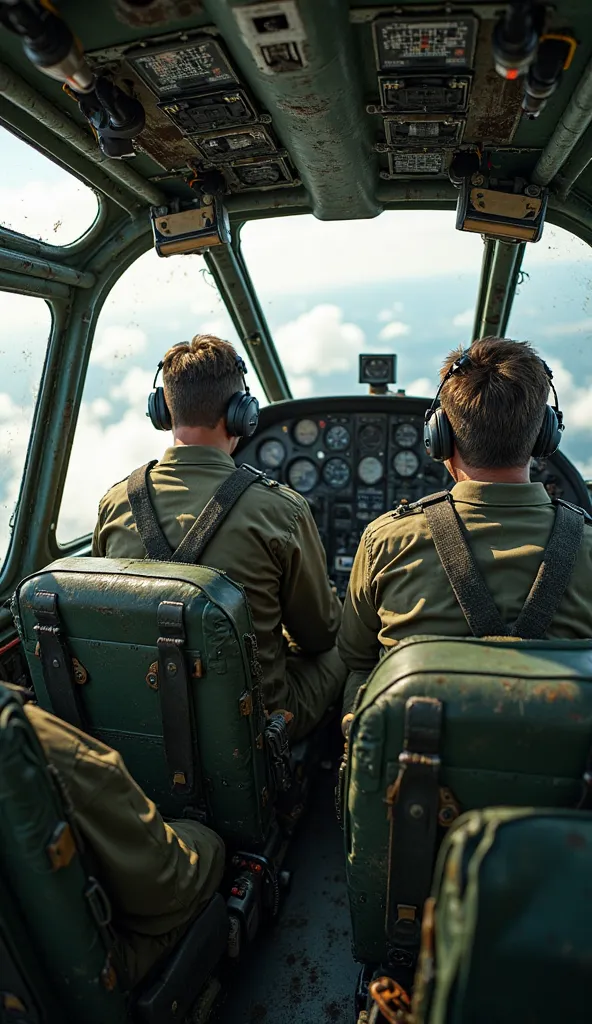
(209, 437)
(459, 471)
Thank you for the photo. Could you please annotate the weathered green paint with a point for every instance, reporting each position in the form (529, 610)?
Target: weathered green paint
(499, 288)
(22, 264)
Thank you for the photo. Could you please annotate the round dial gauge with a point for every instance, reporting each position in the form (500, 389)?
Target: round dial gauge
(271, 454)
(336, 473)
(406, 435)
(306, 432)
(370, 435)
(406, 463)
(303, 475)
(337, 438)
(370, 470)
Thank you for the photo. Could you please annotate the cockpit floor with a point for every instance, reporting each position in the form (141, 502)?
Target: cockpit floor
(301, 970)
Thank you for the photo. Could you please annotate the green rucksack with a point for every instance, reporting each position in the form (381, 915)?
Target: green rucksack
(507, 935)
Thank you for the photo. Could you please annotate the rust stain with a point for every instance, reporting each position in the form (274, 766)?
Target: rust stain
(156, 13)
(555, 691)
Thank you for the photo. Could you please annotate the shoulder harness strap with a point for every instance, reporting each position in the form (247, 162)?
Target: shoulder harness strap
(213, 515)
(156, 545)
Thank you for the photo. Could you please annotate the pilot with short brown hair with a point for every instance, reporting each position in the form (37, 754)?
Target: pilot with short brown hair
(269, 541)
(493, 418)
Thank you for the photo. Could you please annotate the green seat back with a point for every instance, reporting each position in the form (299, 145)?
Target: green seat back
(517, 730)
(511, 938)
(108, 614)
(55, 960)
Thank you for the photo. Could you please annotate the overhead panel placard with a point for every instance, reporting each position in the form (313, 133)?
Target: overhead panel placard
(173, 70)
(418, 44)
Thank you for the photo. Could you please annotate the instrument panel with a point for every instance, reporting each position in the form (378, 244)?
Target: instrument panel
(355, 458)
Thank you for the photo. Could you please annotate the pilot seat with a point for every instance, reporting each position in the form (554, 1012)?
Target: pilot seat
(57, 948)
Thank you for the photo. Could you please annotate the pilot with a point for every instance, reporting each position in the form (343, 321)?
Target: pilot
(269, 541)
(493, 417)
(157, 876)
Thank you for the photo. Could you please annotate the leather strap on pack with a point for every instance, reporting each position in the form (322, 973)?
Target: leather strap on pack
(471, 592)
(175, 708)
(205, 526)
(56, 660)
(413, 801)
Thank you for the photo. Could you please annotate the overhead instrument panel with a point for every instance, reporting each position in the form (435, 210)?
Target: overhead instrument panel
(354, 459)
(183, 68)
(424, 68)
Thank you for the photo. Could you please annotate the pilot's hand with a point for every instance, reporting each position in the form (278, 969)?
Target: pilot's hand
(346, 722)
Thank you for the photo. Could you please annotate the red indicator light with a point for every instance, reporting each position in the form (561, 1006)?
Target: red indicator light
(322, 424)
(512, 73)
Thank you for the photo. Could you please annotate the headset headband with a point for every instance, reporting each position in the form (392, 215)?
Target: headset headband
(239, 363)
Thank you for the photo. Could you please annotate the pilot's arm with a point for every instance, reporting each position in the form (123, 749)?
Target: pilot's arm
(358, 642)
(311, 611)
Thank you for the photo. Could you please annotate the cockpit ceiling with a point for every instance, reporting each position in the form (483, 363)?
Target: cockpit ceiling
(310, 104)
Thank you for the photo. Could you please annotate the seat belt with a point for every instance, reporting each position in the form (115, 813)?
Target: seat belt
(469, 587)
(206, 524)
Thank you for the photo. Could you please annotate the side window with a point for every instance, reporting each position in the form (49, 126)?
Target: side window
(553, 310)
(26, 326)
(40, 199)
(156, 303)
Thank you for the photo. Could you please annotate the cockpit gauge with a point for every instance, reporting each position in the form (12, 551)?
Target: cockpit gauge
(370, 435)
(271, 454)
(406, 435)
(370, 470)
(337, 438)
(303, 475)
(406, 463)
(336, 473)
(306, 432)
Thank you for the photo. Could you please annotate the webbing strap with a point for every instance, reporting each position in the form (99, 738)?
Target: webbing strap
(464, 576)
(555, 570)
(205, 526)
(56, 660)
(156, 545)
(175, 707)
(196, 540)
(471, 592)
(413, 800)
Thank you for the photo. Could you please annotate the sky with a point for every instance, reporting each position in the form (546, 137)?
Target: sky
(405, 282)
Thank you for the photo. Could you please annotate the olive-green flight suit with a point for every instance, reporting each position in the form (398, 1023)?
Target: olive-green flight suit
(157, 876)
(270, 544)
(398, 587)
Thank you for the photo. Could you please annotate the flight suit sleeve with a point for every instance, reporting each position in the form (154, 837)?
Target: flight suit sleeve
(357, 642)
(96, 550)
(311, 610)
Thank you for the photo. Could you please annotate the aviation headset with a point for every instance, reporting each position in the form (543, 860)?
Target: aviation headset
(242, 414)
(438, 436)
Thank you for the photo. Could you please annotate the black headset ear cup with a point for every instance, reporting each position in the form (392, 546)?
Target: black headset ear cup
(242, 416)
(158, 410)
(549, 435)
(438, 437)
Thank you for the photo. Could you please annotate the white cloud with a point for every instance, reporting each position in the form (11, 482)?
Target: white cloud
(575, 327)
(464, 319)
(134, 388)
(319, 342)
(387, 314)
(57, 213)
(396, 329)
(575, 399)
(422, 387)
(116, 344)
(301, 387)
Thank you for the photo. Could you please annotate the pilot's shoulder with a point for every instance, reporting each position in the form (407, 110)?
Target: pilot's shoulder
(114, 497)
(396, 520)
(279, 494)
(581, 511)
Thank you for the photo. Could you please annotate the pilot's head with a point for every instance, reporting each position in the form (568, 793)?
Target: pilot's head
(496, 405)
(199, 378)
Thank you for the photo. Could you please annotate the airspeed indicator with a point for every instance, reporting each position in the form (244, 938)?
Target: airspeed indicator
(406, 463)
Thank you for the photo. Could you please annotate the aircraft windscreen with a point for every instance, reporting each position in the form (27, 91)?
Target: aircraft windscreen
(405, 282)
(40, 199)
(553, 310)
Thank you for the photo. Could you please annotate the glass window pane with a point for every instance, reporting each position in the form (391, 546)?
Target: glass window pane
(404, 282)
(26, 326)
(553, 310)
(156, 303)
(40, 199)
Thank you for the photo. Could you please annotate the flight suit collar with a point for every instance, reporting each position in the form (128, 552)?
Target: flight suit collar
(477, 493)
(196, 455)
